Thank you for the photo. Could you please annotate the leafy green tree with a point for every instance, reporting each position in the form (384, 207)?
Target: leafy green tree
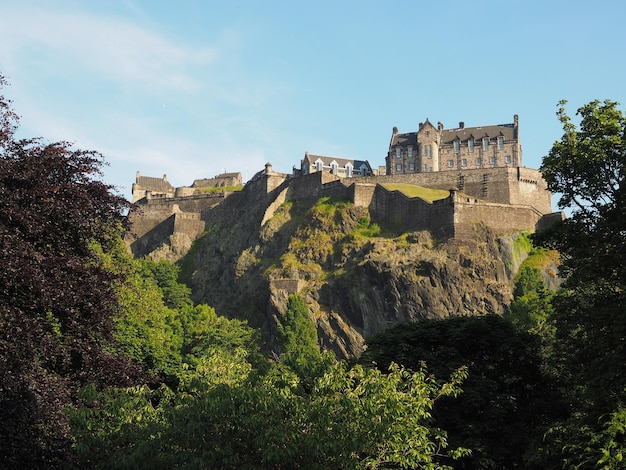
(176, 295)
(531, 309)
(587, 167)
(506, 399)
(297, 337)
(226, 415)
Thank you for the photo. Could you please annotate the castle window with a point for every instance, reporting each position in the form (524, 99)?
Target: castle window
(470, 144)
(492, 160)
(485, 143)
(399, 167)
(450, 163)
(479, 161)
(464, 162)
(398, 152)
(412, 166)
(500, 142)
(410, 150)
(457, 146)
(508, 159)
(425, 167)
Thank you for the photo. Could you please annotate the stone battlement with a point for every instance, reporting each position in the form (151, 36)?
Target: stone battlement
(505, 199)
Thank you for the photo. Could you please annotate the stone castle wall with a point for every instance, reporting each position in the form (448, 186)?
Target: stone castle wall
(504, 199)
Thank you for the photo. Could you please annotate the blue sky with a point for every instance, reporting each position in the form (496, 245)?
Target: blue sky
(194, 88)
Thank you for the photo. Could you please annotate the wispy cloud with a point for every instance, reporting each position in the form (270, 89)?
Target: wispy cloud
(110, 46)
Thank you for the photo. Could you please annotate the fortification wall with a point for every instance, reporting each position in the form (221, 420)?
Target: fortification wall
(395, 209)
(312, 186)
(362, 194)
(499, 217)
(531, 189)
(189, 223)
(523, 186)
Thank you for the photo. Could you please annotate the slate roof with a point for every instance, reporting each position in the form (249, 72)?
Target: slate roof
(154, 184)
(449, 135)
(342, 162)
(505, 130)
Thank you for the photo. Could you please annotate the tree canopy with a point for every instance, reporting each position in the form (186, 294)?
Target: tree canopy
(588, 168)
(58, 302)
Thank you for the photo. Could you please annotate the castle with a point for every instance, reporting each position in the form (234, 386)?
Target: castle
(480, 167)
(463, 148)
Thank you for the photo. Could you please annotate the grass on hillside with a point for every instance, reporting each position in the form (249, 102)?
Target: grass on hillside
(412, 190)
(220, 189)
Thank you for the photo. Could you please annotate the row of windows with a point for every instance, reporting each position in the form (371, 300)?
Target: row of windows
(471, 143)
(334, 168)
(463, 163)
(479, 161)
(427, 149)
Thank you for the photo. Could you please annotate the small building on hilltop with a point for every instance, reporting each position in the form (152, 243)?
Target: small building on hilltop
(220, 181)
(341, 167)
(149, 185)
(432, 149)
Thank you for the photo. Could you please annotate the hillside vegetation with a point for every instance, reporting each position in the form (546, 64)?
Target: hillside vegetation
(356, 277)
(412, 190)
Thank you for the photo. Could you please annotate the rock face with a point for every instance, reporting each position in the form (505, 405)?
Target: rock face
(356, 278)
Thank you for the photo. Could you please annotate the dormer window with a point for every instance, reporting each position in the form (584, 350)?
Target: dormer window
(348, 170)
(318, 165)
(485, 143)
(500, 143)
(470, 144)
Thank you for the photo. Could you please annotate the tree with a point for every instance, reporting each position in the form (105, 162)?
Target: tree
(297, 337)
(226, 415)
(506, 397)
(588, 167)
(57, 301)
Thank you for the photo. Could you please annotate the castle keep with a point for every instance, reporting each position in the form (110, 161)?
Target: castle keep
(480, 167)
(432, 149)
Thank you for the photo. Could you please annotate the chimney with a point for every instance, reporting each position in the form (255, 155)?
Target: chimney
(461, 125)
(395, 130)
(440, 126)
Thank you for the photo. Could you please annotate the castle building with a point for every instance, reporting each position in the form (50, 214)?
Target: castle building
(437, 149)
(145, 185)
(342, 167)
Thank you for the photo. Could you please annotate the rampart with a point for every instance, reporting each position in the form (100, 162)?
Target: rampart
(504, 199)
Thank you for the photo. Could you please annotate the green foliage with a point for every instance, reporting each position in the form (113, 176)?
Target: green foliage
(366, 229)
(297, 337)
(226, 416)
(175, 294)
(220, 189)
(531, 309)
(411, 190)
(587, 167)
(507, 399)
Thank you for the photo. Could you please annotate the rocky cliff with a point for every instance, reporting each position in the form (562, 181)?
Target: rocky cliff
(356, 277)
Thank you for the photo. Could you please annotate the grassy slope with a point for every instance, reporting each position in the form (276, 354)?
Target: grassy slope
(412, 190)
